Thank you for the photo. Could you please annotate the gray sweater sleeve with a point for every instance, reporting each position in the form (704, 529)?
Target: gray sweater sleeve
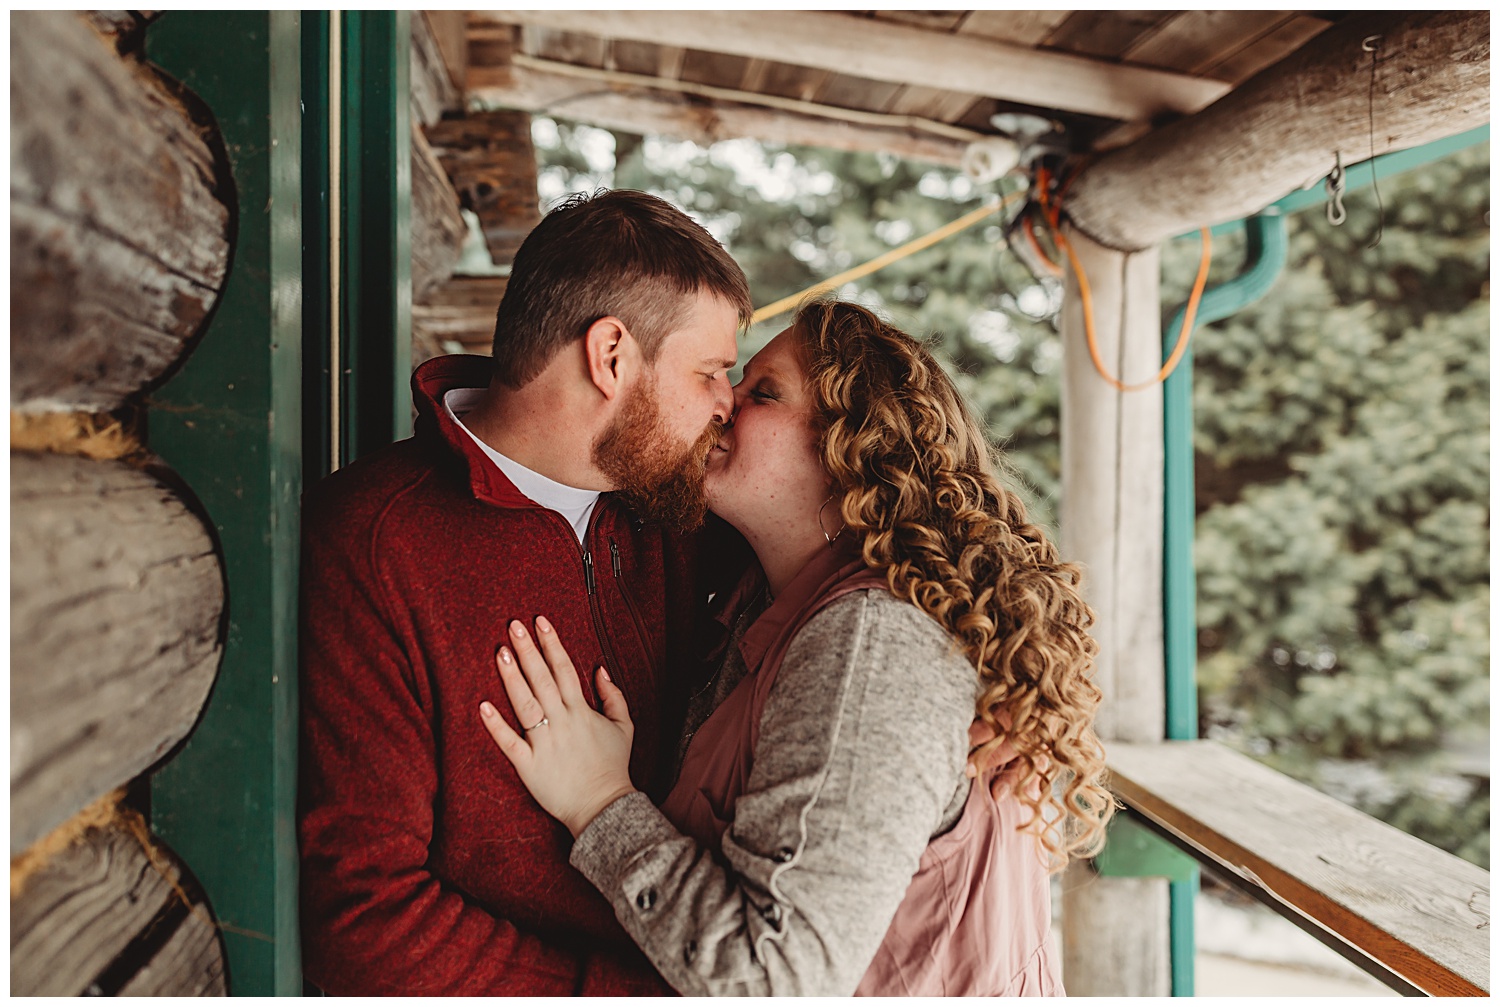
(859, 763)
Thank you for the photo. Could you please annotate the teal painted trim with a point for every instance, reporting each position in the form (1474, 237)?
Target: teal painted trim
(1182, 896)
(376, 183)
(1134, 851)
(230, 423)
(1266, 254)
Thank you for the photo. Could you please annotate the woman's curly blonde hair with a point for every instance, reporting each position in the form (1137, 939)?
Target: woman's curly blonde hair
(918, 486)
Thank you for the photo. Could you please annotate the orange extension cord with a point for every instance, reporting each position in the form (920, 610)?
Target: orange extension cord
(1051, 213)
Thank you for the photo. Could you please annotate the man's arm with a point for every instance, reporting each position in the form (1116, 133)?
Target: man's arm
(375, 920)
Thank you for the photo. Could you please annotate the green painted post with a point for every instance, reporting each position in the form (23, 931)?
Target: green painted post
(230, 423)
(317, 251)
(1265, 256)
(376, 284)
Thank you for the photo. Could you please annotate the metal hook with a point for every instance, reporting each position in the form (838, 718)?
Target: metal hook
(1335, 187)
(1367, 45)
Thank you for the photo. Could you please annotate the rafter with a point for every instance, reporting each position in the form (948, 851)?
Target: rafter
(879, 50)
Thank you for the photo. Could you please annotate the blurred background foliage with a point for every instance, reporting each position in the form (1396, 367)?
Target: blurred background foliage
(1340, 431)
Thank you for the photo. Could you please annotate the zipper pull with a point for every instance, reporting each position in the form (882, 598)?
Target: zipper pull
(614, 557)
(588, 571)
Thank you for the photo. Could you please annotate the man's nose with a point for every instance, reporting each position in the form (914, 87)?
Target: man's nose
(724, 401)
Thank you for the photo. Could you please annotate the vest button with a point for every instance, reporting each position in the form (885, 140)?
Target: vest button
(784, 854)
(771, 913)
(646, 899)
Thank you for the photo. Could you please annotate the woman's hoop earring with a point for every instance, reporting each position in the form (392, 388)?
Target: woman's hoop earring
(823, 528)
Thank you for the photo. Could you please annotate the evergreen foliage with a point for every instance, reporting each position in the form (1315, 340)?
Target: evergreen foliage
(1341, 434)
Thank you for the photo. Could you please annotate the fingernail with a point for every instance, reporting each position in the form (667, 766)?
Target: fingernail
(505, 655)
(605, 672)
(486, 710)
(542, 625)
(970, 771)
(517, 630)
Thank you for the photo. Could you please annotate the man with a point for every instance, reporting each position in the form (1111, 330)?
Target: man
(426, 867)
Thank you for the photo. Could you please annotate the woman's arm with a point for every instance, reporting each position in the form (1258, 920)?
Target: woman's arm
(861, 752)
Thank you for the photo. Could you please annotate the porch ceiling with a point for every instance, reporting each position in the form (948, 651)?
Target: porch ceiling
(920, 83)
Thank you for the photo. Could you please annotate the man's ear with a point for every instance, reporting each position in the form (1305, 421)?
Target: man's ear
(612, 355)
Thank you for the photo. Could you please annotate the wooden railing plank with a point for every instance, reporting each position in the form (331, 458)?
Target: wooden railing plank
(1420, 912)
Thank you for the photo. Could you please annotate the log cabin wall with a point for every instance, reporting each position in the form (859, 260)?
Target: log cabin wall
(120, 247)
(477, 161)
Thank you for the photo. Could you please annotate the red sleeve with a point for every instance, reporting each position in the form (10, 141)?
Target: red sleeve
(375, 920)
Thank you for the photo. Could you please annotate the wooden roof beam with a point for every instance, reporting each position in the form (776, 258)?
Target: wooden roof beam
(880, 50)
(633, 109)
(1280, 130)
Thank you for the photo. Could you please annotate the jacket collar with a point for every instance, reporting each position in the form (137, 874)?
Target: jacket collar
(429, 383)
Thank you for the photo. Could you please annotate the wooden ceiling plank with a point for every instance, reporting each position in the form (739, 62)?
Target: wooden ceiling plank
(847, 91)
(1271, 48)
(669, 61)
(1106, 34)
(1020, 27)
(635, 57)
(931, 20)
(715, 69)
(932, 103)
(754, 77)
(564, 46)
(790, 81)
(1195, 39)
(903, 55)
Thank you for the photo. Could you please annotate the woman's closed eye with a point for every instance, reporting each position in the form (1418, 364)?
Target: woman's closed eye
(764, 393)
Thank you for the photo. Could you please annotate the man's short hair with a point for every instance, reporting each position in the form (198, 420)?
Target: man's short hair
(616, 252)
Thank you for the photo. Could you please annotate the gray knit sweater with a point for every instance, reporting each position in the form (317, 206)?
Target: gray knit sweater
(859, 764)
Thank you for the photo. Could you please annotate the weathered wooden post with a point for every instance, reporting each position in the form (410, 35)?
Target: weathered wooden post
(1111, 522)
(1275, 133)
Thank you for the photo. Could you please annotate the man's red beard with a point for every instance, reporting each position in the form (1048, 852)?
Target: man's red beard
(655, 478)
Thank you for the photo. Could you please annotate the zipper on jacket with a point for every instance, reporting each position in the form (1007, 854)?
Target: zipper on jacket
(635, 614)
(611, 658)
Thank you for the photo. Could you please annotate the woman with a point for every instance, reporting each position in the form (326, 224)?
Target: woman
(823, 837)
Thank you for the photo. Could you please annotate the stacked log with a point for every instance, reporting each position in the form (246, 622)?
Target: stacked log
(487, 166)
(438, 229)
(120, 247)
